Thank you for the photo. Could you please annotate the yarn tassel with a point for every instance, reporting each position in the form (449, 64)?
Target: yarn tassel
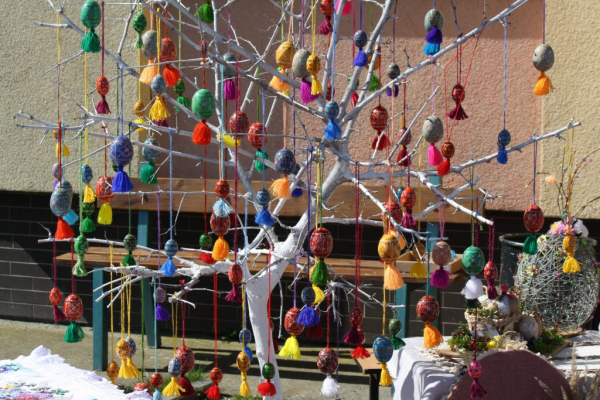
(137, 122)
(184, 101)
(502, 156)
(319, 294)
(168, 268)
(267, 389)
(58, 314)
(221, 208)
(186, 387)
(440, 278)
(90, 43)
(133, 370)
(325, 28)
(279, 85)
(332, 130)
(291, 348)
(392, 280)
(386, 379)
(543, 86)
(207, 258)
(352, 337)
(281, 188)
(477, 391)
(316, 87)
(320, 275)
(315, 332)
(128, 260)
(172, 389)
(297, 192)
(408, 221)
(308, 317)
(74, 333)
(230, 89)
(264, 217)
(380, 144)
(121, 182)
(571, 265)
(458, 113)
(102, 106)
(220, 249)
(71, 218)
(163, 122)
(105, 214)
(234, 295)
(348, 7)
(530, 245)
(79, 268)
(418, 270)
(206, 13)
(360, 353)
(159, 110)
(161, 313)
(63, 230)
(201, 134)
(149, 73)
(157, 395)
(444, 168)
(373, 84)
(306, 92)
(244, 388)
(354, 99)
(492, 293)
(330, 387)
(88, 194)
(403, 157)
(361, 59)
(148, 174)
(473, 289)
(434, 40)
(171, 75)
(434, 155)
(431, 336)
(395, 93)
(398, 343)
(65, 150)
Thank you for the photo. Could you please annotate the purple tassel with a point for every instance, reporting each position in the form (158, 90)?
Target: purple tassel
(161, 313)
(305, 92)
(230, 89)
(492, 293)
(234, 295)
(162, 122)
(458, 113)
(352, 337)
(434, 36)
(102, 106)
(388, 91)
(440, 278)
(477, 391)
(408, 221)
(325, 28)
(122, 183)
(308, 317)
(58, 314)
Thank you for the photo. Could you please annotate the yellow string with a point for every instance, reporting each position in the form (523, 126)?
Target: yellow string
(174, 326)
(244, 312)
(158, 43)
(129, 309)
(58, 57)
(122, 309)
(314, 24)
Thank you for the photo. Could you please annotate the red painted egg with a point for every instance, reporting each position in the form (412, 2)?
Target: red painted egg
(238, 122)
(219, 225)
(222, 189)
(186, 356)
(254, 130)
(408, 198)
(490, 271)
(102, 86)
(156, 380)
(327, 7)
(73, 307)
(168, 50)
(291, 326)
(441, 253)
(55, 296)
(475, 369)
(321, 242)
(216, 375)
(448, 149)
(235, 274)
(327, 361)
(104, 188)
(379, 118)
(143, 387)
(428, 309)
(394, 210)
(533, 218)
(406, 139)
(356, 316)
(458, 93)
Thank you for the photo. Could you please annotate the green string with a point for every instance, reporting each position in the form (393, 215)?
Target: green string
(143, 354)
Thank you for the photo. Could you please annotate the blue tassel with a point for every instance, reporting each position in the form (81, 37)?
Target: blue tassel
(161, 313)
(121, 183)
(308, 317)
(264, 218)
(431, 48)
(361, 59)
(157, 395)
(248, 352)
(502, 155)
(332, 130)
(297, 192)
(71, 217)
(168, 268)
(221, 208)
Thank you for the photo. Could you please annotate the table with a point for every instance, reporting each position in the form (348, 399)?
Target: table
(370, 366)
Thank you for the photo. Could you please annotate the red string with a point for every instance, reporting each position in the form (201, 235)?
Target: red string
(442, 219)
(357, 239)
(203, 64)
(353, 30)
(269, 310)
(166, 25)
(72, 264)
(491, 239)
(215, 315)
(182, 283)
(105, 151)
(54, 259)
(205, 195)
(328, 307)
(102, 55)
(60, 152)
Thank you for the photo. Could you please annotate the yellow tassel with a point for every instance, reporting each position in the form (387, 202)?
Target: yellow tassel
(139, 121)
(149, 73)
(291, 348)
(220, 249)
(319, 295)
(65, 150)
(316, 87)
(88, 194)
(229, 140)
(432, 337)
(386, 379)
(159, 111)
(418, 270)
(392, 280)
(571, 265)
(543, 86)
(281, 188)
(244, 388)
(172, 389)
(133, 370)
(128, 370)
(105, 214)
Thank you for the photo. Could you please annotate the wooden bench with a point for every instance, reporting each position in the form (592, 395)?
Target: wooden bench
(370, 366)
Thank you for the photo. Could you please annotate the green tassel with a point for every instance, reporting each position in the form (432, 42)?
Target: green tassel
(258, 162)
(87, 225)
(74, 333)
(398, 343)
(205, 13)
(472, 303)
(148, 174)
(184, 101)
(128, 260)
(320, 275)
(90, 43)
(139, 43)
(79, 268)
(374, 84)
(530, 245)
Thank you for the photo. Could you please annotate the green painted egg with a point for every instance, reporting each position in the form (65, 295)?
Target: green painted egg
(473, 260)
(91, 14)
(203, 104)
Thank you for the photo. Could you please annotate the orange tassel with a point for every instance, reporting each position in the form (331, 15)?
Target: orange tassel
(543, 86)
(149, 73)
(432, 337)
(392, 280)
(221, 249)
(281, 188)
(63, 230)
(171, 75)
(201, 134)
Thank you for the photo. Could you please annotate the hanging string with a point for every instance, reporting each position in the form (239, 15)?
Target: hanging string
(328, 313)
(269, 334)
(143, 326)
(357, 235)
(394, 35)
(505, 64)
(183, 306)
(263, 138)
(308, 183)
(72, 264)
(58, 57)
(472, 203)
(314, 25)
(112, 317)
(155, 327)
(171, 183)
(427, 249)
(361, 15)
(544, 21)
(535, 153)
(491, 239)
(215, 318)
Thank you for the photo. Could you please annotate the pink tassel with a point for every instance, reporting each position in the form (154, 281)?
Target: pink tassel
(162, 122)
(434, 155)
(102, 106)
(230, 89)
(477, 391)
(325, 28)
(492, 293)
(440, 278)
(58, 314)
(408, 221)
(234, 295)
(305, 92)
(348, 7)
(352, 337)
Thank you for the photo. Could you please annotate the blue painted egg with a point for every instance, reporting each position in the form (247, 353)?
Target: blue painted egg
(121, 151)
(308, 295)
(285, 161)
(150, 154)
(263, 198)
(174, 368)
(60, 201)
(86, 173)
(171, 248)
(332, 109)
(132, 346)
(245, 336)
(360, 39)
(504, 138)
(158, 85)
(383, 349)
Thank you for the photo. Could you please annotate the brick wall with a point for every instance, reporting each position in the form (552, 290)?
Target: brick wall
(26, 267)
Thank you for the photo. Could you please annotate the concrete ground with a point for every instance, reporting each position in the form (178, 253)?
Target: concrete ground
(301, 378)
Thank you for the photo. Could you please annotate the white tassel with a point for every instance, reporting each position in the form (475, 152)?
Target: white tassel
(330, 387)
(473, 289)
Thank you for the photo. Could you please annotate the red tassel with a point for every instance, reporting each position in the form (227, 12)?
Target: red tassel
(315, 332)
(354, 99)
(102, 106)
(492, 293)
(347, 8)
(201, 134)
(458, 113)
(360, 353)
(352, 337)
(63, 230)
(401, 154)
(383, 143)
(171, 75)
(443, 168)
(325, 28)
(207, 258)
(186, 386)
(58, 314)
(477, 391)
(213, 392)
(267, 389)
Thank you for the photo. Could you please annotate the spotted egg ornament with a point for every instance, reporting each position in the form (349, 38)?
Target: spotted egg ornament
(60, 200)
(150, 48)
(160, 295)
(393, 71)
(299, 63)
(285, 161)
(433, 129)
(121, 151)
(156, 380)
(263, 198)
(473, 260)
(356, 316)
(332, 109)
(187, 358)
(441, 253)
(474, 369)
(321, 242)
(205, 242)
(533, 218)
(130, 242)
(490, 271)
(408, 199)
(257, 134)
(543, 57)
(448, 149)
(174, 367)
(388, 248)
(394, 210)
(433, 18)
(132, 346)
(308, 295)
(383, 349)
(235, 274)
(222, 189)
(290, 323)
(104, 188)
(239, 122)
(428, 309)
(406, 138)
(158, 85)
(86, 173)
(220, 225)
(55, 296)
(203, 104)
(73, 307)
(151, 155)
(122, 349)
(327, 361)
(394, 326)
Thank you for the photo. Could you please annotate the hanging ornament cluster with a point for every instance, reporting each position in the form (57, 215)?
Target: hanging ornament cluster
(379, 121)
(441, 256)
(285, 164)
(121, 154)
(332, 130)
(283, 57)
(389, 251)
(433, 132)
(458, 95)
(230, 87)
(383, 350)
(543, 60)
(327, 9)
(91, 15)
(148, 172)
(434, 22)
(533, 219)
(428, 310)
(203, 107)
(291, 348)
(473, 262)
(300, 70)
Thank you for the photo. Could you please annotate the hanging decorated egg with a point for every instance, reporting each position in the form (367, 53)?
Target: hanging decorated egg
(428, 309)
(327, 361)
(473, 260)
(383, 349)
(321, 242)
(122, 349)
(81, 245)
(160, 295)
(379, 118)
(543, 57)
(129, 242)
(285, 161)
(268, 371)
(235, 274)
(60, 200)
(156, 380)
(245, 336)
(504, 138)
(313, 64)
(222, 189)
(143, 387)
(132, 346)
(158, 85)
(475, 369)
(395, 326)
(388, 248)
(86, 173)
(433, 18)
(231, 60)
(394, 210)
(332, 109)
(150, 48)
(360, 39)
(308, 295)
(448, 149)
(408, 198)
(441, 253)
(393, 71)
(458, 93)
(91, 14)
(171, 248)
(533, 219)
(356, 316)
(112, 371)
(186, 356)
(254, 130)
(121, 151)
(299, 63)
(102, 86)
(242, 362)
(168, 50)
(263, 198)
(238, 122)
(285, 54)
(174, 367)
(291, 326)
(104, 188)
(73, 307)
(433, 129)
(219, 225)
(151, 155)
(55, 296)
(406, 137)
(490, 271)
(205, 242)
(56, 170)
(203, 104)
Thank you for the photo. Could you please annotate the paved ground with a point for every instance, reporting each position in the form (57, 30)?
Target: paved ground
(301, 378)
